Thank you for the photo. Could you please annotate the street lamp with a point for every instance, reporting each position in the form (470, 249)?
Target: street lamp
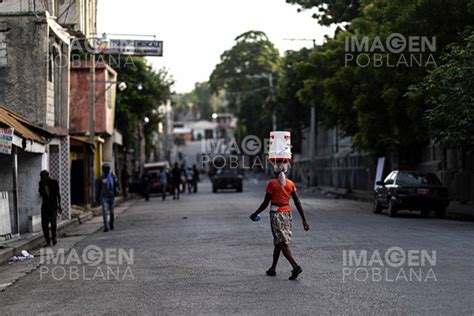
(122, 86)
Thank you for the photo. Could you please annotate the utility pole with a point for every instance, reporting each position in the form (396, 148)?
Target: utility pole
(92, 100)
(313, 129)
(274, 118)
(312, 147)
(92, 124)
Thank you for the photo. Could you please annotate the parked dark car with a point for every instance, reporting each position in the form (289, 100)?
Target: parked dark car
(411, 190)
(227, 179)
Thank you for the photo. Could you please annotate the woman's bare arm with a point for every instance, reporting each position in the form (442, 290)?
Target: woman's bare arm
(264, 205)
(299, 206)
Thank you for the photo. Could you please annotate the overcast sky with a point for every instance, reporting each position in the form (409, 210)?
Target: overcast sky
(197, 32)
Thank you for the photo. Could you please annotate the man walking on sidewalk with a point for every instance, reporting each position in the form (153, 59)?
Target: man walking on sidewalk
(49, 191)
(106, 190)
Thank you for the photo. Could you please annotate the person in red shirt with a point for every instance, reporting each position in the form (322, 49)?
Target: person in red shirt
(278, 193)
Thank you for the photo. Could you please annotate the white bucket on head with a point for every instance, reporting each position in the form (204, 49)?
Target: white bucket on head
(280, 146)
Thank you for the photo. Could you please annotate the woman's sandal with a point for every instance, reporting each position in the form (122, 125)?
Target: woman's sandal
(296, 271)
(271, 272)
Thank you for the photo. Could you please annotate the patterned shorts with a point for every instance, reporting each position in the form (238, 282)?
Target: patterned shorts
(281, 227)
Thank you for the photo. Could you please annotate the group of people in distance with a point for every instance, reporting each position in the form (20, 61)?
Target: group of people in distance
(183, 177)
(175, 181)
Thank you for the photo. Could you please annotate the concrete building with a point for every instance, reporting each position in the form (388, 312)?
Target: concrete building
(34, 81)
(226, 126)
(23, 154)
(165, 130)
(336, 164)
(34, 70)
(107, 138)
(203, 129)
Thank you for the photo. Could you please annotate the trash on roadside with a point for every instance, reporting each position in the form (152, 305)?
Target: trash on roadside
(25, 255)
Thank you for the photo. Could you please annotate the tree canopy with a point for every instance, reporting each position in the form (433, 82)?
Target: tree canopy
(200, 103)
(330, 11)
(247, 72)
(386, 104)
(369, 102)
(133, 104)
(448, 92)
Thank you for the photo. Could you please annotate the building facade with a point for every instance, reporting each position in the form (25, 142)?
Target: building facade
(35, 55)
(107, 138)
(35, 83)
(23, 153)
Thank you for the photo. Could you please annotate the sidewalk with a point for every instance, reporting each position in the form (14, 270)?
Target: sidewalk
(69, 234)
(455, 210)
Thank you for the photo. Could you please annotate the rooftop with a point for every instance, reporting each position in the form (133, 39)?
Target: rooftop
(23, 127)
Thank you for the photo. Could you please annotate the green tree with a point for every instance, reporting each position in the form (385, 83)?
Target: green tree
(370, 103)
(205, 101)
(201, 102)
(330, 11)
(244, 73)
(133, 105)
(448, 92)
(293, 115)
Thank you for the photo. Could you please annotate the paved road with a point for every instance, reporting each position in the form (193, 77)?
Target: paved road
(201, 255)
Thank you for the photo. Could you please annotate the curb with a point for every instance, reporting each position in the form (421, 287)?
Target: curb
(37, 240)
(72, 223)
(451, 214)
(34, 241)
(348, 196)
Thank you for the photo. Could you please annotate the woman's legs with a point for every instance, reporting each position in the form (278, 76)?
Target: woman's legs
(282, 247)
(288, 255)
(276, 256)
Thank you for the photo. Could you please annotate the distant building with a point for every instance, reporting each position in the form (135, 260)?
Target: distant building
(202, 129)
(182, 135)
(226, 125)
(336, 164)
(106, 136)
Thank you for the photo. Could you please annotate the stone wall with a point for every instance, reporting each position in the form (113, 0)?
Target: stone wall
(23, 78)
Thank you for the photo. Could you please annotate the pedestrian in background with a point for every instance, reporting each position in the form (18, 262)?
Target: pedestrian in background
(176, 178)
(163, 183)
(189, 179)
(146, 182)
(125, 177)
(195, 178)
(278, 193)
(183, 177)
(106, 190)
(49, 191)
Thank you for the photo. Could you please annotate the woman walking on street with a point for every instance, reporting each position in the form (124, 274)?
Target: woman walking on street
(278, 193)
